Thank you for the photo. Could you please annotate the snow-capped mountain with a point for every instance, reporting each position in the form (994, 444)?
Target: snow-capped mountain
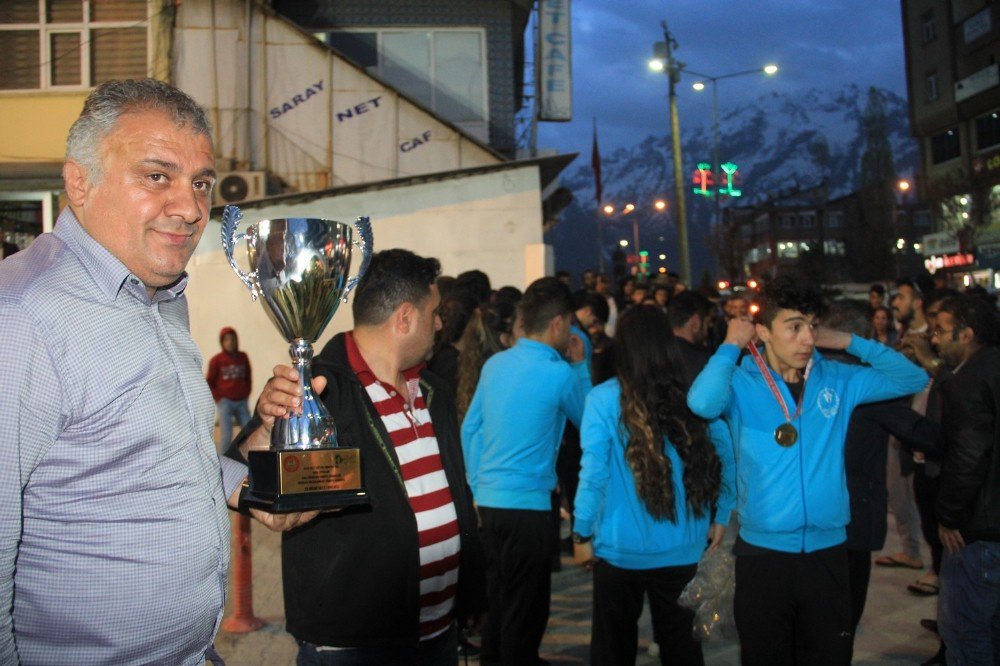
(780, 142)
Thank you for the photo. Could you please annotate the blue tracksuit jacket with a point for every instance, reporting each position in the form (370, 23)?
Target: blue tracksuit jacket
(515, 422)
(795, 499)
(608, 507)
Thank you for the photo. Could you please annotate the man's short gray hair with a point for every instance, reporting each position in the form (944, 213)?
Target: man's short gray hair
(112, 99)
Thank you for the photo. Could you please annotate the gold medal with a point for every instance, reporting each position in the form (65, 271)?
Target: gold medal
(786, 435)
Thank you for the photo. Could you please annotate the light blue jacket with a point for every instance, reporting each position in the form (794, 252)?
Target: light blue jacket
(515, 422)
(795, 499)
(608, 506)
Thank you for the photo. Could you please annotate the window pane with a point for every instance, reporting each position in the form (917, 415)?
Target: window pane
(19, 11)
(358, 46)
(988, 130)
(65, 11)
(117, 53)
(117, 10)
(945, 146)
(65, 54)
(459, 76)
(406, 63)
(21, 65)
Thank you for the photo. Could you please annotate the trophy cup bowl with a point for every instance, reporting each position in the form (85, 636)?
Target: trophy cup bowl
(298, 271)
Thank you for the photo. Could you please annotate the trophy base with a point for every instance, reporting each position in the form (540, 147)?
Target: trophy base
(305, 501)
(305, 479)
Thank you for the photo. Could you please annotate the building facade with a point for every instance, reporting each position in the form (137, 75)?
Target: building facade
(463, 59)
(824, 241)
(953, 82)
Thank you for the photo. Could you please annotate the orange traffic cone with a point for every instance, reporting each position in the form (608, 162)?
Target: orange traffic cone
(242, 619)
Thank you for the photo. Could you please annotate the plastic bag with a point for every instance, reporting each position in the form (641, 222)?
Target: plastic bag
(710, 595)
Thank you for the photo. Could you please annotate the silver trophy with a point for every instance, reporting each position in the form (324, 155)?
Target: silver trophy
(298, 270)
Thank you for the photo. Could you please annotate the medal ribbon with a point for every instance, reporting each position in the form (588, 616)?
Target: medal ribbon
(766, 371)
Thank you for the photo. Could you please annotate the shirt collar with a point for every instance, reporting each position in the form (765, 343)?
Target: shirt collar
(541, 346)
(108, 272)
(360, 366)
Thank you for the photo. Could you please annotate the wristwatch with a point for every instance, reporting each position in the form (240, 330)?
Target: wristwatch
(579, 538)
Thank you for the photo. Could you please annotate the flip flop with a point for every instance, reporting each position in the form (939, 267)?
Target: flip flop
(891, 561)
(922, 588)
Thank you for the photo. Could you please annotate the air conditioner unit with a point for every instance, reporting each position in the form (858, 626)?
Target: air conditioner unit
(236, 186)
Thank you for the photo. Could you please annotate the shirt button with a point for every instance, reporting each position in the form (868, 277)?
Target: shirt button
(392, 394)
(134, 281)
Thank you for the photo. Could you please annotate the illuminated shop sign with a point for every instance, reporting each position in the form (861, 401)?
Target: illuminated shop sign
(937, 262)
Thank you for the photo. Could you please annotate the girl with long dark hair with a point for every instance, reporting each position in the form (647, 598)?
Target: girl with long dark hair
(651, 478)
(490, 330)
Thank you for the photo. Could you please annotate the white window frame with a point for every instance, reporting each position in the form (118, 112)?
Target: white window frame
(377, 69)
(83, 28)
(46, 198)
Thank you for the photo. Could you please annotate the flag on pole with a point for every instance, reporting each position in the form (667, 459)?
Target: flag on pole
(595, 163)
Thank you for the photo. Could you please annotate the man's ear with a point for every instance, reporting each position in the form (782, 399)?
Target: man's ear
(403, 318)
(558, 323)
(76, 181)
(763, 332)
(966, 336)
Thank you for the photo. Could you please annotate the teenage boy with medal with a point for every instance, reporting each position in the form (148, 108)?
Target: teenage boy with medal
(792, 601)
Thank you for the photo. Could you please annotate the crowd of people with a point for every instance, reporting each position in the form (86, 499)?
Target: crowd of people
(691, 411)
(652, 417)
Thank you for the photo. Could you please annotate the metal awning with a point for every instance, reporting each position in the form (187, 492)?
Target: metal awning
(30, 176)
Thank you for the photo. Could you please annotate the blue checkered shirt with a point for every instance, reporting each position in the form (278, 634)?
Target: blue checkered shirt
(114, 534)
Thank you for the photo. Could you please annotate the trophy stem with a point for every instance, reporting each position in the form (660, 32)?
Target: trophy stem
(313, 428)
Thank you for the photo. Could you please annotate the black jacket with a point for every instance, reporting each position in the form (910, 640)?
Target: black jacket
(694, 359)
(865, 454)
(969, 496)
(351, 579)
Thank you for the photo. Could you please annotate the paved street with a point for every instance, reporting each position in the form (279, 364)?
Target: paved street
(889, 631)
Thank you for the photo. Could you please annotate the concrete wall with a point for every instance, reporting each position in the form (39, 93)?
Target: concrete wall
(489, 221)
(33, 126)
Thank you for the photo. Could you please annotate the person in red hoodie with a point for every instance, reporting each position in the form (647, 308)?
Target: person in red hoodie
(229, 379)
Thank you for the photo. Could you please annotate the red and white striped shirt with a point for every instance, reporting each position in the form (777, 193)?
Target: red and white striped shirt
(409, 425)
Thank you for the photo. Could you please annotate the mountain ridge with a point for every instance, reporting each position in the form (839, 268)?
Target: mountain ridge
(779, 141)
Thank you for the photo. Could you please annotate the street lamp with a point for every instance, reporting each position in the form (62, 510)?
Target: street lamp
(663, 61)
(769, 70)
(659, 205)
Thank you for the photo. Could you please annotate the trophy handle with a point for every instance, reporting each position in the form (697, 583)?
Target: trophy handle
(363, 226)
(231, 216)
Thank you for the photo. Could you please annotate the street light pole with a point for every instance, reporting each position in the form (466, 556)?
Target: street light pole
(674, 75)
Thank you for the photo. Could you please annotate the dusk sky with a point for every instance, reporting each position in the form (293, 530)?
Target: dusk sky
(816, 43)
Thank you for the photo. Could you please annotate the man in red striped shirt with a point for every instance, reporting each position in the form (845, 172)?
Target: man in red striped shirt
(390, 582)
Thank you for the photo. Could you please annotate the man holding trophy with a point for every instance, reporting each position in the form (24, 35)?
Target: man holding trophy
(388, 573)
